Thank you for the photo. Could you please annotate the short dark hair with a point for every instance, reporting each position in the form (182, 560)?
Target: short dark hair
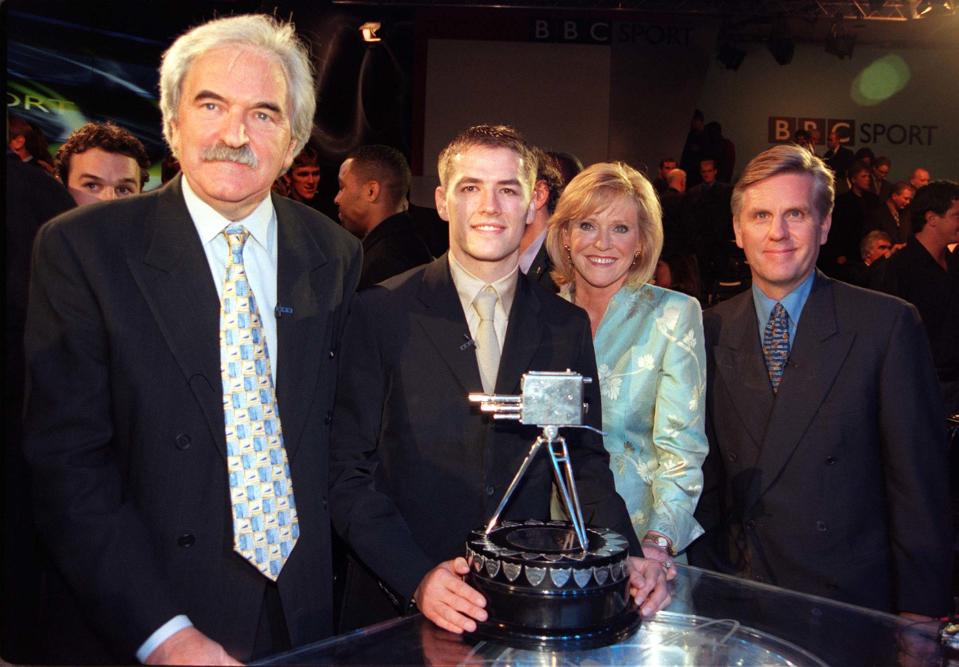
(489, 136)
(386, 166)
(857, 167)
(901, 186)
(937, 197)
(107, 137)
(308, 157)
(880, 161)
(568, 164)
(549, 173)
(662, 163)
(864, 154)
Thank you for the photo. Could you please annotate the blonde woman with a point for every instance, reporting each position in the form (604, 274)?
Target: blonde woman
(604, 239)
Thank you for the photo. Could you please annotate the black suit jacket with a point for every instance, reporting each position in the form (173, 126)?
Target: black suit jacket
(415, 466)
(835, 486)
(125, 432)
(880, 218)
(540, 271)
(391, 248)
(839, 161)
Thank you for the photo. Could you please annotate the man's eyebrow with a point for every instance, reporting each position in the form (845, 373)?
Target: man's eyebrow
(210, 95)
(471, 180)
(269, 106)
(95, 177)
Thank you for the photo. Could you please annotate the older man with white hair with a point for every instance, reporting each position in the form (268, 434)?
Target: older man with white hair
(186, 521)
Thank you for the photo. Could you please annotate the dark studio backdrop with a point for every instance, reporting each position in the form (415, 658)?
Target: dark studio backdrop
(602, 84)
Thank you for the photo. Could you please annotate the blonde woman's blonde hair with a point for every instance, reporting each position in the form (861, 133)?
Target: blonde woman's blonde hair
(595, 188)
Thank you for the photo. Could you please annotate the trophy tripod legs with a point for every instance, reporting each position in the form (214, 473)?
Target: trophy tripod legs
(563, 471)
(516, 480)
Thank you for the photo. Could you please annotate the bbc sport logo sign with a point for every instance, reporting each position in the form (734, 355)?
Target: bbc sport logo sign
(782, 128)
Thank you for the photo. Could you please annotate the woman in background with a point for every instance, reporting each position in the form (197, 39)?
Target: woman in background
(604, 239)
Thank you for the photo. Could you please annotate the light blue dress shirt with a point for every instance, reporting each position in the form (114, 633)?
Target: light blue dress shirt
(793, 302)
(651, 359)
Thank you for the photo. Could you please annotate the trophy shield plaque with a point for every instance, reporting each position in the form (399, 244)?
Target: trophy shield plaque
(550, 583)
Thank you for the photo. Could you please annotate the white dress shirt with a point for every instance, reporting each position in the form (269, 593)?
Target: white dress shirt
(260, 261)
(259, 256)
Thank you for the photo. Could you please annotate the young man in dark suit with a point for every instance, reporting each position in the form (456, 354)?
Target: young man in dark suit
(414, 465)
(827, 464)
(186, 521)
(374, 181)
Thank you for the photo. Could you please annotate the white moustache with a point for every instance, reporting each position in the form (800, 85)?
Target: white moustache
(222, 153)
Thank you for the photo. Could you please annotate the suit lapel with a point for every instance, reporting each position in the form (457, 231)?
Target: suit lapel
(541, 263)
(174, 277)
(814, 362)
(522, 338)
(304, 283)
(441, 316)
(742, 370)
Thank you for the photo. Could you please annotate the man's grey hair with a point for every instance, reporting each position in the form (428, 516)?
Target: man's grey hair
(872, 238)
(252, 30)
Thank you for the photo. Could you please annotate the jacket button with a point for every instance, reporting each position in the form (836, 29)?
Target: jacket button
(750, 524)
(821, 526)
(732, 456)
(183, 441)
(830, 460)
(328, 419)
(490, 490)
(332, 353)
(186, 540)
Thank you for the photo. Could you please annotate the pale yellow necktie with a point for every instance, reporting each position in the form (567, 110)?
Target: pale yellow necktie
(265, 527)
(487, 346)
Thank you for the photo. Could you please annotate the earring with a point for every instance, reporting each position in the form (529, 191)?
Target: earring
(569, 253)
(635, 257)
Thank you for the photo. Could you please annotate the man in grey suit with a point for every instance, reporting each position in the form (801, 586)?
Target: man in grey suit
(827, 465)
(162, 529)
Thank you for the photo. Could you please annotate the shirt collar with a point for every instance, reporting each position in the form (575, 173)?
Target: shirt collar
(527, 257)
(210, 224)
(468, 285)
(792, 302)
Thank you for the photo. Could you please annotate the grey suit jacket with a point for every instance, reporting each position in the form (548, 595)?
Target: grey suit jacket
(124, 428)
(836, 485)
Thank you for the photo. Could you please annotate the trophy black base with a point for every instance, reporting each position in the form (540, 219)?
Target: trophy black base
(543, 591)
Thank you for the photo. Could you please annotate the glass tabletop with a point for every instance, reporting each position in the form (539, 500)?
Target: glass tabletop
(714, 619)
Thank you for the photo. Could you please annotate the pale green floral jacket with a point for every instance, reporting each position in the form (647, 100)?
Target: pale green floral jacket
(652, 375)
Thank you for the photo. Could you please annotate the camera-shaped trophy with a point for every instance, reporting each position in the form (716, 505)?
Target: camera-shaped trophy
(550, 583)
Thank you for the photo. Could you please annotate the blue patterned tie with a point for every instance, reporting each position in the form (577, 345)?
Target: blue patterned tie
(776, 344)
(265, 526)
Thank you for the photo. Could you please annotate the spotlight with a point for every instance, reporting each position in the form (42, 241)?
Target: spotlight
(781, 43)
(839, 42)
(923, 7)
(368, 31)
(876, 5)
(730, 56)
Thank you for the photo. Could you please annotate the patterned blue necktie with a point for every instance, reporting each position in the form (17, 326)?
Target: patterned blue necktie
(265, 526)
(776, 344)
